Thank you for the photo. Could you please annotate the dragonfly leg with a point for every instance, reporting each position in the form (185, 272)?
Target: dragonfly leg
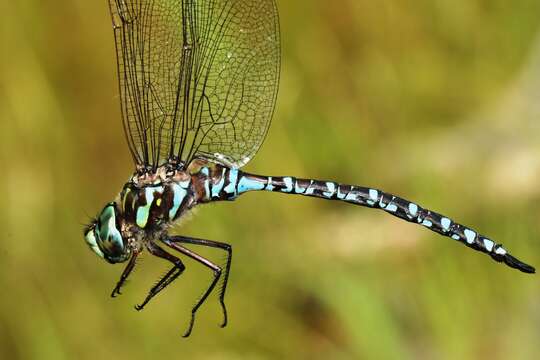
(173, 243)
(125, 274)
(169, 276)
(218, 245)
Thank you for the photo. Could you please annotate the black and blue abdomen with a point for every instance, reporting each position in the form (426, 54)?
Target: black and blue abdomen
(234, 182)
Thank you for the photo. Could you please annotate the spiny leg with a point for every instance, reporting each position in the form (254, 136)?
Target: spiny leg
(125, 274)
(219, 245)
(169, 276)
(167, 279)
(205, 262)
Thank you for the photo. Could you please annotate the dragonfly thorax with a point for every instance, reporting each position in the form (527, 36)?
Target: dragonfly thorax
(148, 204)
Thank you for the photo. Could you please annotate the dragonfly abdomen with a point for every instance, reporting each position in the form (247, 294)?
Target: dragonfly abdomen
(239, 182)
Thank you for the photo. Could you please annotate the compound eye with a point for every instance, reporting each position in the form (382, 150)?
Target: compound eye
(90, 238)
(109, 237)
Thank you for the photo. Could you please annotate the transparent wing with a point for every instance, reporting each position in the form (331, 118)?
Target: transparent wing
(196, 77)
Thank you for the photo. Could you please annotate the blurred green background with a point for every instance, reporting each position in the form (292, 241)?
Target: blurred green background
(434, 100)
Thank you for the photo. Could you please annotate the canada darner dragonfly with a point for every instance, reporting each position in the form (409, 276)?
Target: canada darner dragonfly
(198, 81)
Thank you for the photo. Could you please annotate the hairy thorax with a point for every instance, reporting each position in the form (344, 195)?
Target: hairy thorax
(151, 201)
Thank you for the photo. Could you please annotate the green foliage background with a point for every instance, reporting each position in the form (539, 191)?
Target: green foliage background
(434, 100)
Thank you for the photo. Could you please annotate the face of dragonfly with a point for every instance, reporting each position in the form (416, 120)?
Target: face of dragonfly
(105, 238)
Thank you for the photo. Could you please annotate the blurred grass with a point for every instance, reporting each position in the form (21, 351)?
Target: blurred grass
(435, 100)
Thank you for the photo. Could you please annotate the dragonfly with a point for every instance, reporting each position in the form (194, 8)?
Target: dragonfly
(198, 81)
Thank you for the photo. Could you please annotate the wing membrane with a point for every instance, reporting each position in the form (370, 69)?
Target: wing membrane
(196, 77)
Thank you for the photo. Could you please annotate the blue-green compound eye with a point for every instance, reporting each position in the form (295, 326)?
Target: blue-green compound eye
(91, 241)
(105, 239)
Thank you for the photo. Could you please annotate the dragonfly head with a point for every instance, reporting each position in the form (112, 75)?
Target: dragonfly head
(104, 237)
